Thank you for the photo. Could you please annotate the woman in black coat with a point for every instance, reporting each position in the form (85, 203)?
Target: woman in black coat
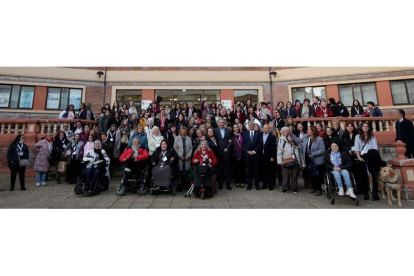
(164, 151)
(343, 111)
(357, 109)
(18, 150)
(59, 146)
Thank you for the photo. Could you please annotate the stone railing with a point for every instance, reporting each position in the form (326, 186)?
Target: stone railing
(37, 126)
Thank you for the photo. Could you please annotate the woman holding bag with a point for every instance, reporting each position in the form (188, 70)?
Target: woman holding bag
(17, 157)
(59, 146)
(288, 157)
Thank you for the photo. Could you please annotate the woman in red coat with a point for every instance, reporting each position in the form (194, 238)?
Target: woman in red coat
(135, 157)
(204, 155)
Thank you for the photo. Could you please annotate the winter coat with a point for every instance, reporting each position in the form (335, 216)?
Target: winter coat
(346, 162)
(347, 143)
(317, 149)
(103, 124)
(405, 132)
(343, 112)
(285, 150)
(320, 112)
(72, 146)
(13, 157)
(154, 142)
(328, 142)
(155, 158)
(179, 149)
(291, 112)
(356, 111)
(237, 146)
(117, 144)
(143, 154)
(59, 146)
(210, 155)
(45, 149)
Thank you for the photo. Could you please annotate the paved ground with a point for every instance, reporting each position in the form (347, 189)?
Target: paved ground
(62, 196)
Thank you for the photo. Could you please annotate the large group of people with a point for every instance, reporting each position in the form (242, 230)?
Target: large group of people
(248, 144)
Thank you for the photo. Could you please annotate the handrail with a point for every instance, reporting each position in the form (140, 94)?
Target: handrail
(46, 121)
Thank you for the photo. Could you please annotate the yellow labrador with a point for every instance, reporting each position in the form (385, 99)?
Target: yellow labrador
(390, 180)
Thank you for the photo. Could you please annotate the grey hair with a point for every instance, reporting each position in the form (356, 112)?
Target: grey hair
(283, 129)
(99, 143)
(155, 128)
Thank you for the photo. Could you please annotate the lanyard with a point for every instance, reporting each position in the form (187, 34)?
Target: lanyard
(20, 148)
(278, 121)
(324, 110)
(74, 147)
(111, 134)
(357, 110)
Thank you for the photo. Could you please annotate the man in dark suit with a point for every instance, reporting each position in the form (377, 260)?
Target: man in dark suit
(252, 144)
(267, 157)
(224, 143)
(405, 133)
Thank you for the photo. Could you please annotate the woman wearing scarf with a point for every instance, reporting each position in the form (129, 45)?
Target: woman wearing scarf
(72, 155)
(97, 161)
(239, 169)
(338, 163)
(43, 158)
(138, 156)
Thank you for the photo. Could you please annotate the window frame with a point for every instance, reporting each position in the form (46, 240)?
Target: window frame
(60, 98)
(250, 95)
(196, 103)
(406, 92)
(353, 93)
(20, 93)
(304, 92)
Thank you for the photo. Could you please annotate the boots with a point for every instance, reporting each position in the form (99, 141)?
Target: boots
(341, 191)
(350, 192)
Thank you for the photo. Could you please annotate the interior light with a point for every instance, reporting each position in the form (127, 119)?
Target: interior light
(184, 90)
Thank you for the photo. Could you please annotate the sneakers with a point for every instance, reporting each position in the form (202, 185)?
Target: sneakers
(341, 191)
(295, 191)
(284, 192)
(43, 183)
(37, 184)
(350, 192)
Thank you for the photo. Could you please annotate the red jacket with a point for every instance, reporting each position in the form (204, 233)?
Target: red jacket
(143, 154)
(210, 155)
(320, 112)
(241, 117)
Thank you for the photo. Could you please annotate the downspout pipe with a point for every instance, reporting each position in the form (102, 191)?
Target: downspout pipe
(271, 86)
(104, 91)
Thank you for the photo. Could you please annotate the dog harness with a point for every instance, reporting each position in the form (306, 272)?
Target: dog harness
(388, 187)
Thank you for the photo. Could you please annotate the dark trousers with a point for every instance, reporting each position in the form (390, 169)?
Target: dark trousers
(238, 170)
(252, 165)
(361, 177)
(307, 178)
(73, 170)
(14, 171)
(266, 171)
(291, 175)
(276, 171)
(91, 175)
(224, 168)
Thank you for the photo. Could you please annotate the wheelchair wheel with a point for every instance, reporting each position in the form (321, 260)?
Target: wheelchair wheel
(202, 196)
(120, 190)
(98, 189)
(78, 189)
(142, 190)
(105, 184)
(329, 188)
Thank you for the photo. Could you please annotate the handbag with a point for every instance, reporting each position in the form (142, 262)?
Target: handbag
(289, 162)
(356, 160)
(62, 166)
(312, 168)
(23, 162)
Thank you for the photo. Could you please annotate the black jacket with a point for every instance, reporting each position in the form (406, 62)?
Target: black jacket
(328, 142)
(168, 135)
(347, 143)
(354, 111)
(405, 133)
(269, 148)
(344, 112)
(13, 157)
(155, 158)
(335, 109)
(59, 147)
(280, 124)
(346, 162)
(213, 146)
(108, 147)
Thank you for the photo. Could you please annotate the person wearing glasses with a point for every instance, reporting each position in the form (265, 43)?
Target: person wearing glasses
(17, 151)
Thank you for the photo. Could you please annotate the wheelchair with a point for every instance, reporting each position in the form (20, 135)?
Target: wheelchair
(331, 187)
(95, 186)
(131, 182)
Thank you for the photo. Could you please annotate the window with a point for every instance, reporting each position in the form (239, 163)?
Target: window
(16, 96)
(61, 98)
(302, 93)
(125, 96)
(170, 97)
(402, 91)
(244, 95)
(363, 92)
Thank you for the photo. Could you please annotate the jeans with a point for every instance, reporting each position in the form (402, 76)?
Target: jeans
(338, 178)
(40, 177)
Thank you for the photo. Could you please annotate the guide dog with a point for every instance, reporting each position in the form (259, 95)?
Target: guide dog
(390, 180)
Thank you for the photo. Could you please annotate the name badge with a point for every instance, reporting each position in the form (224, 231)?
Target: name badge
(353, 148)
(326, 115)
(20, 153)
(112, 139)
(64, 146)
(74, 153)
(294, 156)
(164, 159)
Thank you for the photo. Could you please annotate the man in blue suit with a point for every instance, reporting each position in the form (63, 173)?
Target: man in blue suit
(252, 144)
